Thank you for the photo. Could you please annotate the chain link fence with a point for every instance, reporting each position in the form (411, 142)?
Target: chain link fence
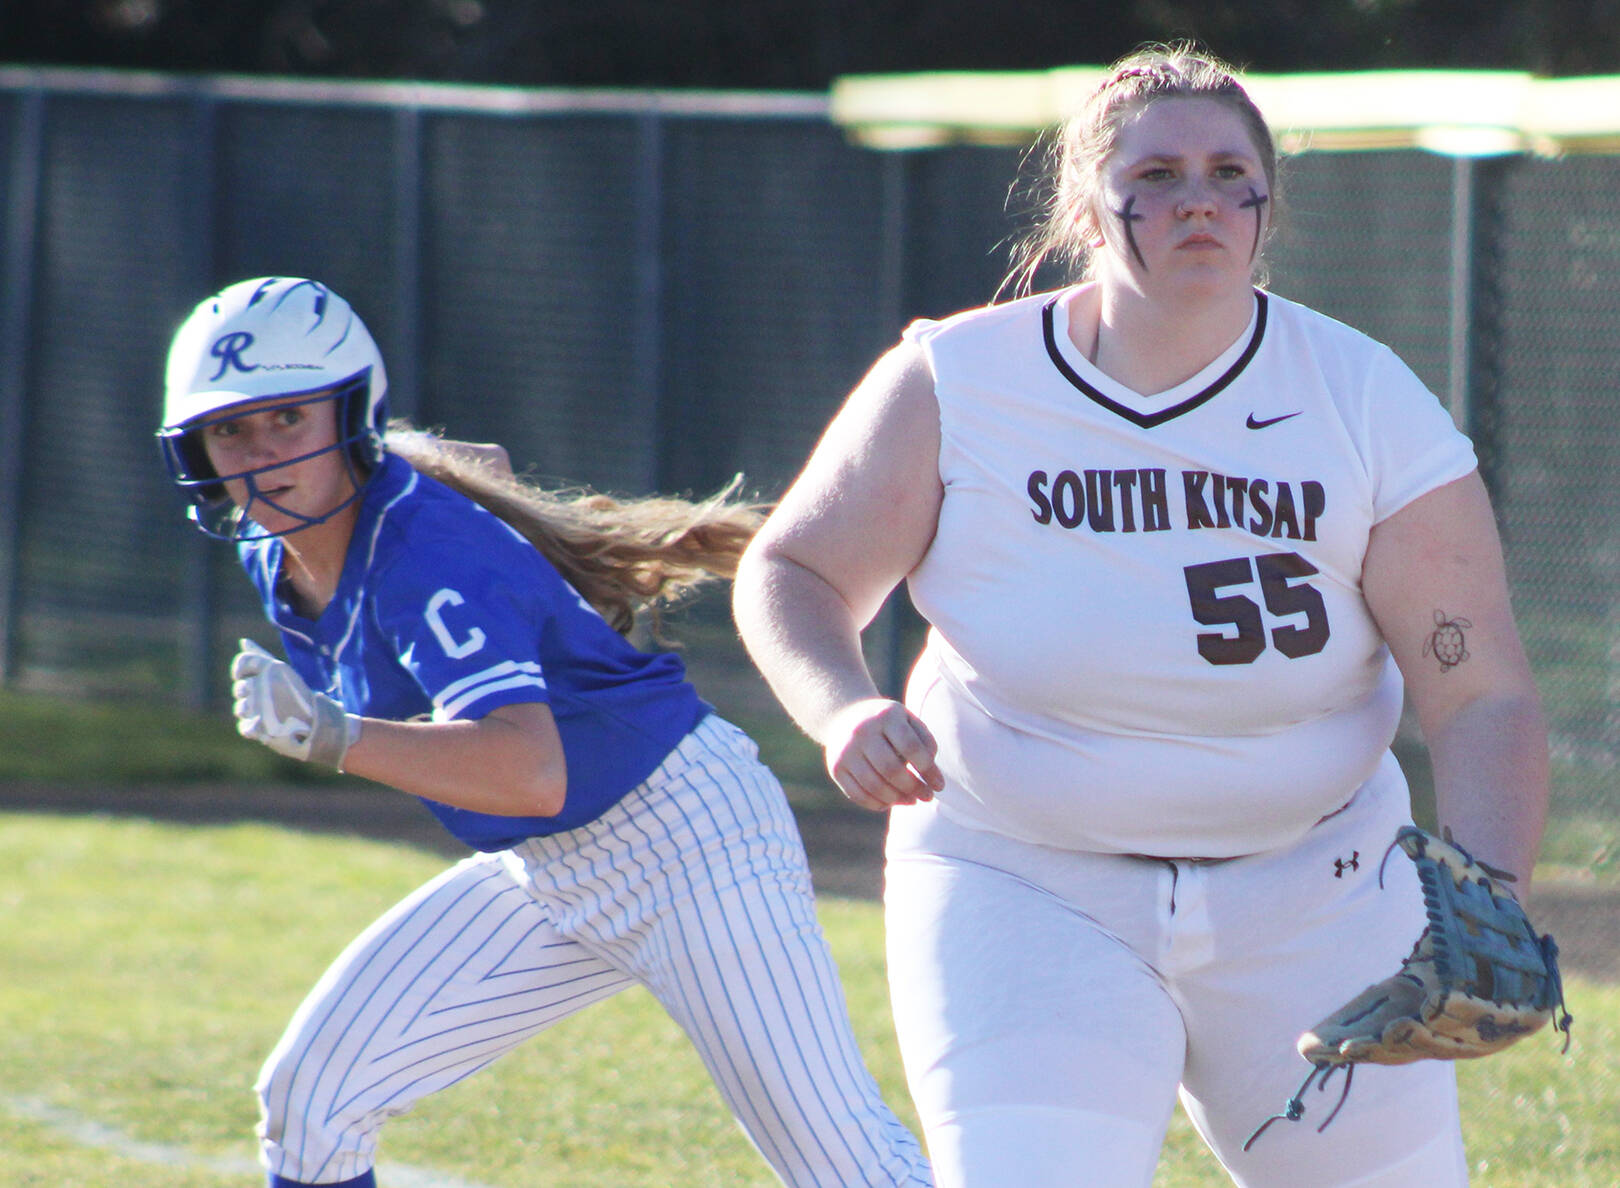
(644, 291)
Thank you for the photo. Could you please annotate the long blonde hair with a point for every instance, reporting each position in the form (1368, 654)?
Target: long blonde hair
(625, 556)
(1067, 183)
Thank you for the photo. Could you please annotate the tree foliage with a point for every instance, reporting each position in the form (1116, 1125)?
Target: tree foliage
(793, 44)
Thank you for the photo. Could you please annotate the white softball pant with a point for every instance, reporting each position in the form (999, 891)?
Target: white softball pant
(1050, 1004)
(694, 886)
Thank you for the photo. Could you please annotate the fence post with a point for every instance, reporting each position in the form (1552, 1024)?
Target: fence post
(1476, 308)
(405, 396)
(647, 301)
(199, 601)
(16, 334)
(895, 178)
(1461, 287)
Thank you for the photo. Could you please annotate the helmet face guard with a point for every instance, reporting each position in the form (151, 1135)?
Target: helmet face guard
(282, 339)
(211, 507)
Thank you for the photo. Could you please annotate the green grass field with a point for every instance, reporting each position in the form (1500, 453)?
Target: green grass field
(146, 969)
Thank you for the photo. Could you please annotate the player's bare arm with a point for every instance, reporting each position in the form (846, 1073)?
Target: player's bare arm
(1435, 581)
(850, 529)
(509, 763)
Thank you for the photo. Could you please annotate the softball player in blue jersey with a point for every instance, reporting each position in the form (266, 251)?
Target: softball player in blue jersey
(624, 834)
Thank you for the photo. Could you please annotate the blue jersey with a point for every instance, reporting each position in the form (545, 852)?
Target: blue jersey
(443, 611)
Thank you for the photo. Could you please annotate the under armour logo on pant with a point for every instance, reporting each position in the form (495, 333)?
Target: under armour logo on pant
(1340, 865)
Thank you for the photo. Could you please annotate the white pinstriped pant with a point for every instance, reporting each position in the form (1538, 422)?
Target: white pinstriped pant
(695, 886)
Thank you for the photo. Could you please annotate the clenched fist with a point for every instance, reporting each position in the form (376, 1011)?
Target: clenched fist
(275, 706)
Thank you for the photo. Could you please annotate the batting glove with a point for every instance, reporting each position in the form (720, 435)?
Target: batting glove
(275, 706)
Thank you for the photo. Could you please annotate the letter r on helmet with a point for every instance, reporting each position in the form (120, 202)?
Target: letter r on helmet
(228, 350)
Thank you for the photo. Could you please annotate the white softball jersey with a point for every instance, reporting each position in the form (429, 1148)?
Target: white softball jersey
(1147, 632)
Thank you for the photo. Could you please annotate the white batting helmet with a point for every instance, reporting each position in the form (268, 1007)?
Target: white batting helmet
(257, 340)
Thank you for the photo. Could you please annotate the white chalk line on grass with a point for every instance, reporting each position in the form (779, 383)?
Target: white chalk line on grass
(87, 1132)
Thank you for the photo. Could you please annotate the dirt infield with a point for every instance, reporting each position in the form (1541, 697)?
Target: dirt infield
(845, 846)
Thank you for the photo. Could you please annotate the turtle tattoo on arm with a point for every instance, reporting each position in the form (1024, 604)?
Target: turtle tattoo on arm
(1446, 643)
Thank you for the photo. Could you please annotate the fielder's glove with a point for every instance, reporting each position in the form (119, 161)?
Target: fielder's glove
(275, 706)
(1478, 979)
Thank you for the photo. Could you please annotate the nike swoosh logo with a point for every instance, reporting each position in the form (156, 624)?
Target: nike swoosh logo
(1254, 424)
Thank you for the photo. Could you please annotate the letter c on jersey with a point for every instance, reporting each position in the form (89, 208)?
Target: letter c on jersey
(456, 650)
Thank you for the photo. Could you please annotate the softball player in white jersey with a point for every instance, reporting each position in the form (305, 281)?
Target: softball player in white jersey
(625, 834)
(1178, 542)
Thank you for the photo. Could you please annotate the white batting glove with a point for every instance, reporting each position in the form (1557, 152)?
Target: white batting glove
(275, 706)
